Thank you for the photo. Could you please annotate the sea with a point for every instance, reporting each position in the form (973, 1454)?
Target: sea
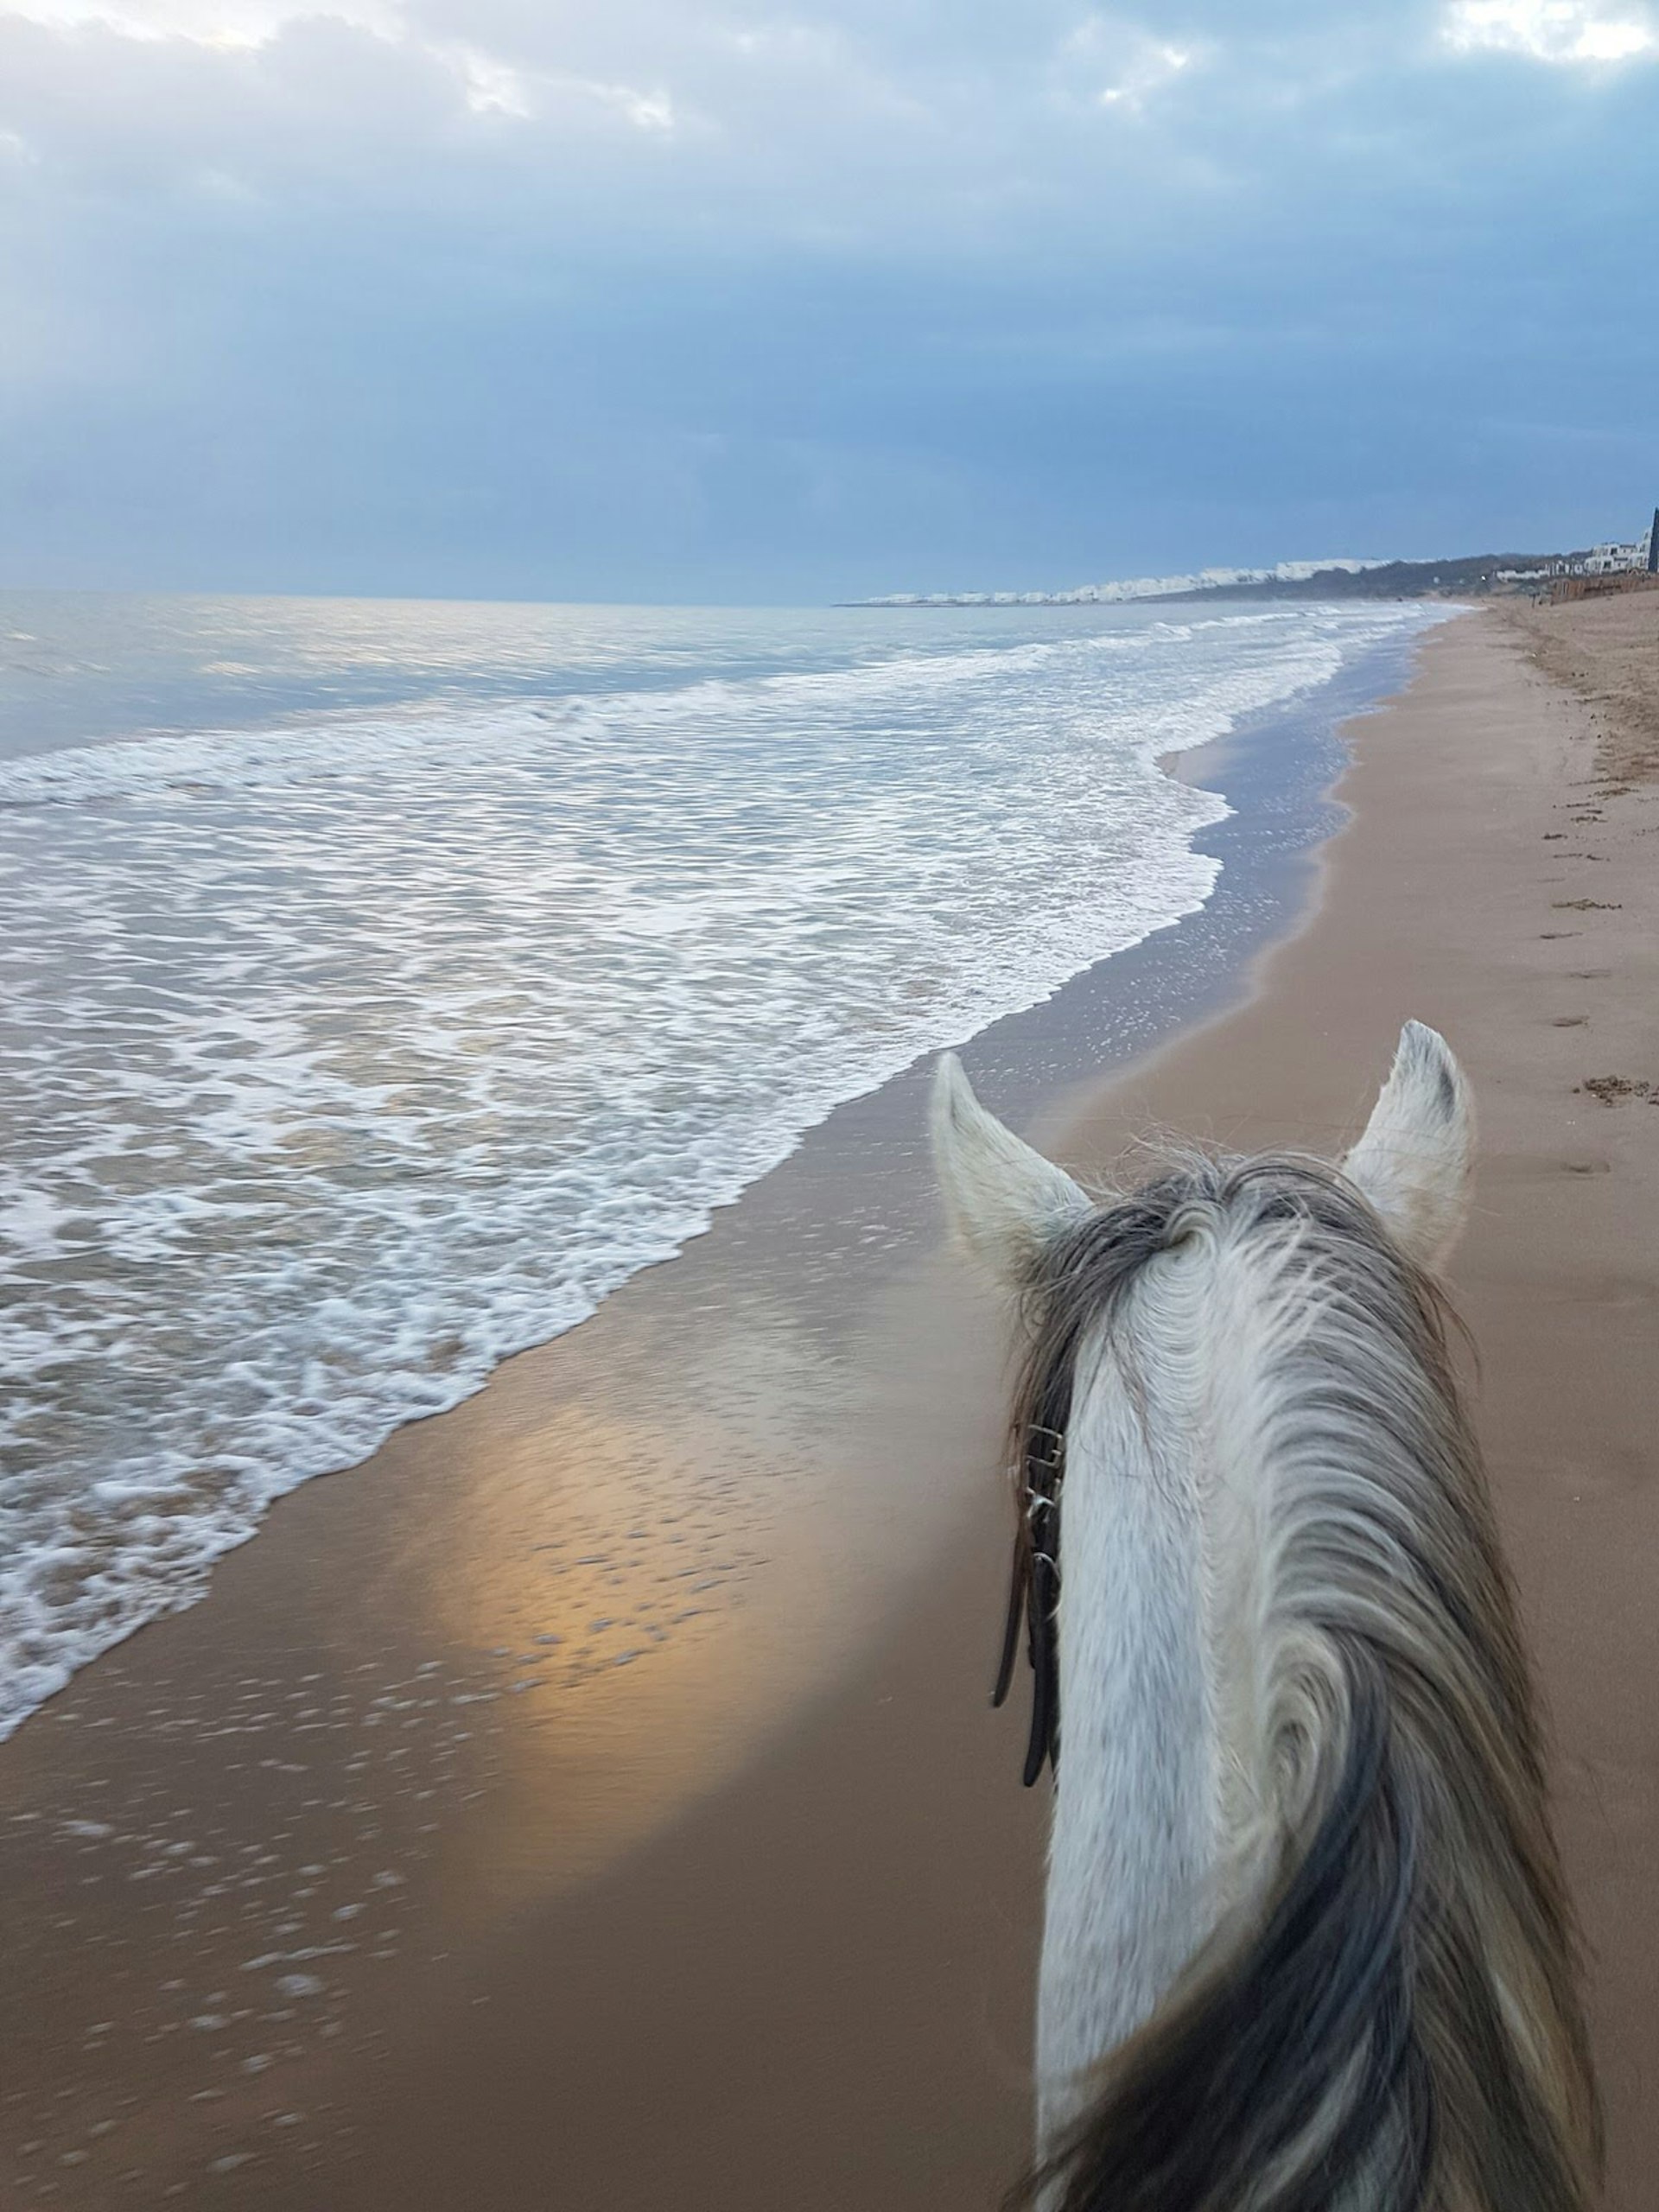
(384, 983)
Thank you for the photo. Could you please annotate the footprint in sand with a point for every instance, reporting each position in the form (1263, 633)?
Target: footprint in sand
(1619, 1090)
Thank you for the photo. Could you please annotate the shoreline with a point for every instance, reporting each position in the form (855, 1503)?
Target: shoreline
(493, 1301)
(1272, 769)
(806, 1957)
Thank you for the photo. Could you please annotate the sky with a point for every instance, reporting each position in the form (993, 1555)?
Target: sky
(663, 300)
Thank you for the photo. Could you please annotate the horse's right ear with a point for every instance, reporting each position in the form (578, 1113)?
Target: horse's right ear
(1414, 1160)
(1004, 1200)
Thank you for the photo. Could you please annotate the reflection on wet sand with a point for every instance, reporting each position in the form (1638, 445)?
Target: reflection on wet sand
(611, 1560)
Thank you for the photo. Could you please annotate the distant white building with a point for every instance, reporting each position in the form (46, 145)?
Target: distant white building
(1611, 559)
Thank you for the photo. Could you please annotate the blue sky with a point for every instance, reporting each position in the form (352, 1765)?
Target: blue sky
(653, 299)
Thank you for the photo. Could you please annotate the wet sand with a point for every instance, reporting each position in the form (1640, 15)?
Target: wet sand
(323, 1893)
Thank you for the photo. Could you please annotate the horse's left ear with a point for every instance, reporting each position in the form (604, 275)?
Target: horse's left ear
(1005, 1201)
(1413, 1161)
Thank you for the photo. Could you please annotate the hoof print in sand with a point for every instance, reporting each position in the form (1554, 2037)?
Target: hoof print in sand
(1619, 1090)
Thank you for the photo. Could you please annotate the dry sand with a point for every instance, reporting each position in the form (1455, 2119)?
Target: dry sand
(734, 1903)
(1498, 880)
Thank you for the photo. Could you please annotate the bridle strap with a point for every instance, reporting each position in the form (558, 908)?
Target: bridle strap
(1033, 1598)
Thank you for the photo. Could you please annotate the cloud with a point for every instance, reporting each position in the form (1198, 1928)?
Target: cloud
(1110, 63)
(387, 38)
(222, 23)
(673, 298)
(1553, 30)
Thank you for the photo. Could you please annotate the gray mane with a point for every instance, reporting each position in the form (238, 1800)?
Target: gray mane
(1078, 1284)
(1397, 2026)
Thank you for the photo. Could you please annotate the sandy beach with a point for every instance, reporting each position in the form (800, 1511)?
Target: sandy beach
(322, 1894)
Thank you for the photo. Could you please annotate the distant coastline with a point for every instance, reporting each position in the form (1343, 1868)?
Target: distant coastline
(1129, 589)
(1477, 575)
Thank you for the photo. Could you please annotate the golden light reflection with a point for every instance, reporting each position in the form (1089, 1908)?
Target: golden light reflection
(680, 1535)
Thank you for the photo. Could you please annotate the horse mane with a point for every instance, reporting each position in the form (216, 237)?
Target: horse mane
(1392, 2021)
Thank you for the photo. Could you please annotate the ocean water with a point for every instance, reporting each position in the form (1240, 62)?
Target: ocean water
(381, 985)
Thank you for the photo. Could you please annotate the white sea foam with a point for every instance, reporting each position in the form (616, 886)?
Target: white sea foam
(348, 1057)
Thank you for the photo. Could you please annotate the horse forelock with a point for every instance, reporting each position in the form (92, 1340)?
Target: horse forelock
(1386, 1567)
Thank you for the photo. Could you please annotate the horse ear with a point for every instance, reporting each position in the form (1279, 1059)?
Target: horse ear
(1004, 1200)
(1413, 1161)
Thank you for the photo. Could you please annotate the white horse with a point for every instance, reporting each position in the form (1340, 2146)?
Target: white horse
(1307, 1947)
